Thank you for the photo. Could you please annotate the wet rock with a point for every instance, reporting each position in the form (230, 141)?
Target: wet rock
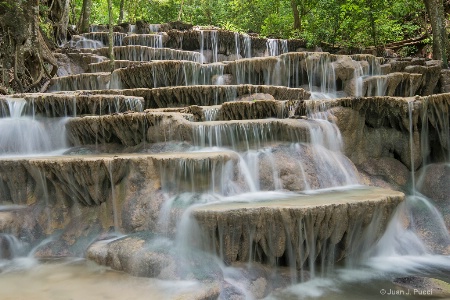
(379, 126)
(80, 197)
(386, 170)
(267, 230)
(430, 77)
(345, 67)
(261, 280)
(385, 69)
(251, 109)
(204, 95)
(6, 221)
(105, 66)
(67, 66)
(424, 286)
(77, 103)
(84, 81)
(144, 53)
(255, 97)
(103, 37)
(148, 256)
(433, 182)
(9, 246)
(444, 81)
(226, 79)
(137, 128)
(149, 40)
(402, 84)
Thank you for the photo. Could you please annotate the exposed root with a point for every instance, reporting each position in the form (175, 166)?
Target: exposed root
(16, 77)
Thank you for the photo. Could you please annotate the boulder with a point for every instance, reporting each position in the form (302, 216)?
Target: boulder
(386, 172)
(433, 182)
(424, 286)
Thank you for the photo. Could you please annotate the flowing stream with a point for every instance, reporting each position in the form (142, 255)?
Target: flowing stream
(244, 162)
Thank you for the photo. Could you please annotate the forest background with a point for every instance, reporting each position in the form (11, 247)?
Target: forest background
(30, 29)
(343, 23)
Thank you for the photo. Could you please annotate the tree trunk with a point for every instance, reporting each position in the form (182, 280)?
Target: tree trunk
(435, 10)
(23, 50)
(122, 4)
(59, 15)
(373, 29)
(297, 21)
(180, 13)
(110, 36)
(83, 24)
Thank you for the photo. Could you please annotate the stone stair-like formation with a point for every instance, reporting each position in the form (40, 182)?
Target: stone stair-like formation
(199, 116)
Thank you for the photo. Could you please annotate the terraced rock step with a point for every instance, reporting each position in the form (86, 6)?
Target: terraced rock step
(151, 127)
(72, 104)
(89, 180)
(266, 70)
(392, 84)
(206, 95)
(328, 225)
(191, 40)
(144, 53)
(319, 71)
(149, 40)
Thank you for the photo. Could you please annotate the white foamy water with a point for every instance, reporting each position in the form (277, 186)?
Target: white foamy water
(27, 135)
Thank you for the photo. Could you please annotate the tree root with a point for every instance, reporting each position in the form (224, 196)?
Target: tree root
(16, 77)
(43, 57)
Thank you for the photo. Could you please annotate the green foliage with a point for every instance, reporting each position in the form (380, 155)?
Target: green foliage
(227, 25)
(350, 23)
(407, 51)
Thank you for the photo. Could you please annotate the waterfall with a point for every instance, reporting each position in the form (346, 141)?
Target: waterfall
(326, 142)
(358, 77)
(209, 42)
(10, 247)
(321, 76)
(247, 46)
(275, 47)
(25, 134)
(84, 43)
(406, 246)
(237, 44)
(225, 198)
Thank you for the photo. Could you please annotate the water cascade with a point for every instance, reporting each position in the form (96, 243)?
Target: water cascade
(26, 135)
(208, 46)
(276, 47)
(149, 40)
(285, 176)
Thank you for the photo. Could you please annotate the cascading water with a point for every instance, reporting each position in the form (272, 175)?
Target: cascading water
(85, 43)
(405, 247)
(276, 47)
(209, 43)
(247, 165)
(326, 142)
(412, 250)
(321, 74)
(25, 135)
(358, 77)
(247, 46)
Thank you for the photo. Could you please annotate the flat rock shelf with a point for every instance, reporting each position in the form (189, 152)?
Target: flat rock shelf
(272, 228)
